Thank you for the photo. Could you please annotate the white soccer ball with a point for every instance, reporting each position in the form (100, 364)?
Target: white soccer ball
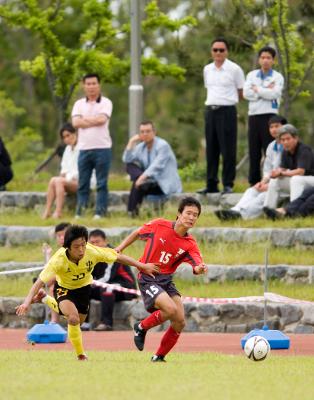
(257, 348)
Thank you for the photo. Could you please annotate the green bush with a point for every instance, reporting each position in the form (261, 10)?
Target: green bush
(193, 172)
(25, 144)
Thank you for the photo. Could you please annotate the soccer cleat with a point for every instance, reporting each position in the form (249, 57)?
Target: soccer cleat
(82, 357)
(139, 336)
(156, 358)
(39, 296)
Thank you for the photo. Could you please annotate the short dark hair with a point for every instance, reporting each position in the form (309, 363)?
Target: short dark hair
(62, 226)
(220, 39)
(288, 129)
(277, 119)
(267, 49)
(148, 122)
(189, 201)
(97, 232)
(91, 75)
(74, 232)
(67, 127)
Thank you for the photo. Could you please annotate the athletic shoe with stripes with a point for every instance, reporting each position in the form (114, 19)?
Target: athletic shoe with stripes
(139, 336)
(156, 358)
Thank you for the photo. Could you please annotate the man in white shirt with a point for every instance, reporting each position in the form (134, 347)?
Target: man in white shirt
(252, 202)
(262, 88)
(224, 82)
(91, 116)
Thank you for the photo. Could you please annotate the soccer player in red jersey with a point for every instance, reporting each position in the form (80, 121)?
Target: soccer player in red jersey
(168, 244)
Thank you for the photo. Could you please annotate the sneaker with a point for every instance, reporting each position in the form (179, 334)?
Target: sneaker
(82, 357)
(272, 214)
(103, 327)
(227, 215)
(85, 326)
(139, 336)
(227, 190)
(156, 358)
(39, 296)
(206, 190)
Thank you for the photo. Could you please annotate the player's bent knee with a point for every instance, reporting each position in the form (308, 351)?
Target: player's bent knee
(180, 324)
(73, 319)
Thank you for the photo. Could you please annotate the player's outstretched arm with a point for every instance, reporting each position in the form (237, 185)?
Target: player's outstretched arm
(128, 241)
(148, 268)
(23, 308)
(201, 269)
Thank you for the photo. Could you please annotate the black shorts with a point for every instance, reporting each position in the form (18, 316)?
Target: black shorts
(152, 287)
(79, 297)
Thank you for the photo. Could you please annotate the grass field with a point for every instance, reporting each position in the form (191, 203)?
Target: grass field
(119, 218)
(129, 375)
(213, 253)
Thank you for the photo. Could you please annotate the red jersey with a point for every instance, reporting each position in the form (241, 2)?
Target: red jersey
(165, 247)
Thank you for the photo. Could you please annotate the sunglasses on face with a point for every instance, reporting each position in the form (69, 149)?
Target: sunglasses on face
(219, 50)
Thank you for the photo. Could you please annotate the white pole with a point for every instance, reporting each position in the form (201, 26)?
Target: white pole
(265, 288)
(135, 88)
(47, 254)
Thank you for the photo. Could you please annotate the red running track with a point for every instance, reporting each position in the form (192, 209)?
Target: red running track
(228, 343)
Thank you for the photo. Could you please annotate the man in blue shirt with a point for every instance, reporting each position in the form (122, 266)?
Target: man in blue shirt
(151, 165)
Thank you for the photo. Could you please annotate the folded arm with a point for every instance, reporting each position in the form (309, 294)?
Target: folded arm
(87, 122)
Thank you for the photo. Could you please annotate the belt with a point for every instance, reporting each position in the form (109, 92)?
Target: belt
(217, 107)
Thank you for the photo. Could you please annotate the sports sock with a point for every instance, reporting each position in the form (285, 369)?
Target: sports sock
(75, 337)
(152, 320)
(168, 340)
(51, 303)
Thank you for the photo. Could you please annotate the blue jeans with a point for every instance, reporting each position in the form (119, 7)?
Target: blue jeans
(100, 160)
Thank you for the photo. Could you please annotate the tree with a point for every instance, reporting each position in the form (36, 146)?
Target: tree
(295, 60)
(94, 40)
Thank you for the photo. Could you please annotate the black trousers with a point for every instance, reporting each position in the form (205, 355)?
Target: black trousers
(303, 205)
(108, 299)
(137, 194)
(221, 138)
(6, 174)
(259, 138)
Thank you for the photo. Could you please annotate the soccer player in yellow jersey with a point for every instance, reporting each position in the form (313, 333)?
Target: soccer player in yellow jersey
(72, 266)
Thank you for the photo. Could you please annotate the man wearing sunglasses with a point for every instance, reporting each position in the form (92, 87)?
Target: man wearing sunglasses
(224, 82)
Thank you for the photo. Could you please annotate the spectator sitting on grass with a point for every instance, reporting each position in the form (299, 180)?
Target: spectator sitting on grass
(300, 207)
(296, 171)
(152, 167)
(67, 181)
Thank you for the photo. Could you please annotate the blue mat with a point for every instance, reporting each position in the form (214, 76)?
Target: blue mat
(276, 339)
(47, 333)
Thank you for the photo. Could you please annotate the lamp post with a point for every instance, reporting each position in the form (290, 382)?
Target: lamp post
(136, 87)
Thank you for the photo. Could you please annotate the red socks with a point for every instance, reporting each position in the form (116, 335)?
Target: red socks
(152, 320)
(168, 340)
